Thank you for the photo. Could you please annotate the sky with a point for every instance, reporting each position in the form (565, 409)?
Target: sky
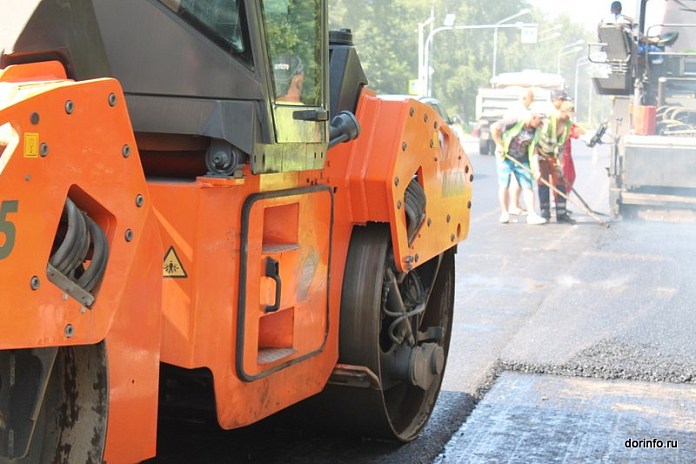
(589, 12)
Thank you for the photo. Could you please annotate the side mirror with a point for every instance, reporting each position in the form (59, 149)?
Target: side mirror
(344, 128)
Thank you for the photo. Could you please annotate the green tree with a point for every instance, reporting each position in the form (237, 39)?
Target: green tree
(386, 36)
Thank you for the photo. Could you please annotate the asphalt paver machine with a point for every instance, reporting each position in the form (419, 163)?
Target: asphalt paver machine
(651, 74)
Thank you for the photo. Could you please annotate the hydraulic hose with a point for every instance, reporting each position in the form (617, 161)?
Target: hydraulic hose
(415, 203)
(82, 234)
(100, 256)
(76, 243)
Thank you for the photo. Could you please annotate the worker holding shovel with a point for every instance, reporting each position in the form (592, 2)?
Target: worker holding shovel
(549, 146)
(554, 136)
(516, 139)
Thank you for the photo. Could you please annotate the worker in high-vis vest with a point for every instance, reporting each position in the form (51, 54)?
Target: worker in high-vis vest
(517, 137)
(552, 142)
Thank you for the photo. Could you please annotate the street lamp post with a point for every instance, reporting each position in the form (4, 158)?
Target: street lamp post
(550, 30)
(421, 52)
(495, 35)
(575, 47)
(549, 34)
(425, 89)
(555, 35)
(580, 62)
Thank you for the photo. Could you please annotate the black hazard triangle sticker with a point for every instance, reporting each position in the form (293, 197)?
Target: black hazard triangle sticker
(172, 268)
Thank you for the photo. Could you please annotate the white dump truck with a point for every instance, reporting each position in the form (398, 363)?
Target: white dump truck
(506, 89)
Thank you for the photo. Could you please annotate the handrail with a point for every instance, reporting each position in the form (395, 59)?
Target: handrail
(669, 25)
(602, 45)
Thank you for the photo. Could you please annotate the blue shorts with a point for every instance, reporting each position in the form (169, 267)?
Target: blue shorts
(507, 167)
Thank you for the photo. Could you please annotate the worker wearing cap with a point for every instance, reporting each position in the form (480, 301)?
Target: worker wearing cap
(288, 77)
(288, 80)
(554, 135)
(516, 138)
(557, 99)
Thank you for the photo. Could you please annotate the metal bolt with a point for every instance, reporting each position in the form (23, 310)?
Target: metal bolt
(65, 297)
(471, 178)
(112, 99)
(469, 205)
(27, 177)
(409, 267)
(69, 331)
(404, 146)
(139, 200)
(466, 169)
(398, 204)
(35, 282)
(417, 258)
(34, 118)
(129, 235)
(449, 218)
(425, 117)
(125, 151)
(437, 125)
(452, 237)
(83, 310)
(43, 149)
(396, 181)
(432, 143)
(430, 221)
(69, 106)
(412, 111)
(408, 259)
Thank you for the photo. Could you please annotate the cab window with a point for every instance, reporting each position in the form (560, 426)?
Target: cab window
(294, 38)
(222, 21)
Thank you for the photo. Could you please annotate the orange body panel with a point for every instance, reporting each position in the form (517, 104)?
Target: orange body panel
(33, 72)
(84, 158)
(202, 221)
(401, 139)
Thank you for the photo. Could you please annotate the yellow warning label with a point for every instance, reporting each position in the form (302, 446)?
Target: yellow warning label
(436, 139)
(31, 145)
(172, 267)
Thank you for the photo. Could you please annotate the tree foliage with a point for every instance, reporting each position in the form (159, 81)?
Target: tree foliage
(293, 28)
(386, 36)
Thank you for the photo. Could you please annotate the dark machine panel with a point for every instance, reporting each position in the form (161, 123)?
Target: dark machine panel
(188, 79)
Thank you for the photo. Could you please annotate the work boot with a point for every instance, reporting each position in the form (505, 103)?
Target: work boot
(562, 215)
(561, 211)
(544, 202)
(564, 218)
